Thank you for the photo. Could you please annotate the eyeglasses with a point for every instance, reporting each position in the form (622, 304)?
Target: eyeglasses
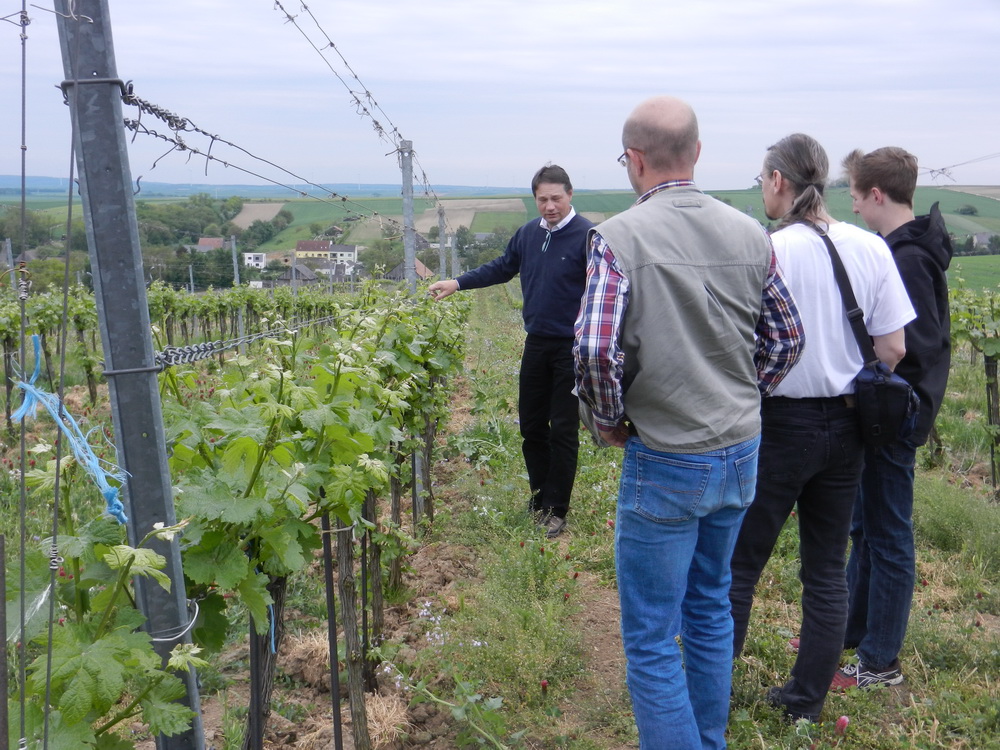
(623, 159)
(759, 180)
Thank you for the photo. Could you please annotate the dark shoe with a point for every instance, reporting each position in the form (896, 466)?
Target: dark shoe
(860, 676)
(554, 526)
(774, 699)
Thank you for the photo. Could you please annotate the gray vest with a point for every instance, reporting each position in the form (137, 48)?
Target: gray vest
(696, 269)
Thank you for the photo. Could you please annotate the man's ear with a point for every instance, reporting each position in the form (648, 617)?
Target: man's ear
(878, 196)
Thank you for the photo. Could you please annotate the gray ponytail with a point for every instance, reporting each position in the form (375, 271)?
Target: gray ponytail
(803, 162)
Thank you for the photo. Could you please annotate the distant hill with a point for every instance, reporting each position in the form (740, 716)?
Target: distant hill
(46, 187)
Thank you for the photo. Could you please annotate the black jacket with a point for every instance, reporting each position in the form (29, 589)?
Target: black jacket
(922, 251)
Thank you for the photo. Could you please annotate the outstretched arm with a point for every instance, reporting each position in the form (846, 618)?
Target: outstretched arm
(441, 289)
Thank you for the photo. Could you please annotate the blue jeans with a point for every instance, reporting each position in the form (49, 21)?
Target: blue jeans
(811, 455)
(882, 566)
(678, 516)
(549, 416)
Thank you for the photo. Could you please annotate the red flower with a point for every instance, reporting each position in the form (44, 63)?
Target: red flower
(841, 727)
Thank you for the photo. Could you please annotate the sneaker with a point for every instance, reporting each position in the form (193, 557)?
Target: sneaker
(856, 675)
(554, 526)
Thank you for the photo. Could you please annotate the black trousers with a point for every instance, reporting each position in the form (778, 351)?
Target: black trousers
(550, 422)
(811, 455)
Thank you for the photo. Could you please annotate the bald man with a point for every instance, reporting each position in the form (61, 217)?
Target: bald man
(685, 322)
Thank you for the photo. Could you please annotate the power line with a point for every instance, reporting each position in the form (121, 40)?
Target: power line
(358, 98)
(178, 124)
(392, 135)
(946, 171)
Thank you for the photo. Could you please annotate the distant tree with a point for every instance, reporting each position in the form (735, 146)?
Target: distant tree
(381, 253)
(212, 230)
(283, 219)
(967, 210)
(463, 238)
(994, 244)
(36, 227)
(488, 248)
(231, 207)
(315, 228)
(257, 234)
(432, 233)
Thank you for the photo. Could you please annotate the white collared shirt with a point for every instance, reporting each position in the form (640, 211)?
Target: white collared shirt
(569, 217)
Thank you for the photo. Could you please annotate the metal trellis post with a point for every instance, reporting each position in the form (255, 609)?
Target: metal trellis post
(94, 93)
(240, 330)
(409, 239)
(442, 245)
(9, 257)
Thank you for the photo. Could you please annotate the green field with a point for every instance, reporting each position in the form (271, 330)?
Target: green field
(608, 203)
(975, 272)
(308, 211)
(487, 221)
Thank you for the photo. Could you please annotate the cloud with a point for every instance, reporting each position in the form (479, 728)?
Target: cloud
(489, 90)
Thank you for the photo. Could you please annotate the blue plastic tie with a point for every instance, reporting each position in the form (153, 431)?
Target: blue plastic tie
(78, 443)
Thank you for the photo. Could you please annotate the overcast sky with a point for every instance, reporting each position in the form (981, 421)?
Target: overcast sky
(489, 90)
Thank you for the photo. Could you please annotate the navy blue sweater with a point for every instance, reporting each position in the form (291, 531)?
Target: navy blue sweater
(552, 282)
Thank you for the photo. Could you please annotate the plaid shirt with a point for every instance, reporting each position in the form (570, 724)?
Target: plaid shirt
(599, 358)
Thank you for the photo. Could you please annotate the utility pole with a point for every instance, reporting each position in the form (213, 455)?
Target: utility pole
(191, 278)
(442, 245)
(454, 257)
(409, 238)
(94, 92)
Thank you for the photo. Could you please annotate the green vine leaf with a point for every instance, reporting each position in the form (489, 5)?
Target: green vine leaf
(144, 562)
(218, 559)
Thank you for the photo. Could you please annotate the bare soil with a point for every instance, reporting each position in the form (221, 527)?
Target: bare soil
(253, 211)
(460, 213)
(986, 191)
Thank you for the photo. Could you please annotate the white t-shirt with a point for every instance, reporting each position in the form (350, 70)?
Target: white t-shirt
(831, 358)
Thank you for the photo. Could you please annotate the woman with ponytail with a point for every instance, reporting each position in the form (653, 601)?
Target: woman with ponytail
(811, 452)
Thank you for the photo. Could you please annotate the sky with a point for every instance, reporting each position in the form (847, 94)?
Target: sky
(489, 91)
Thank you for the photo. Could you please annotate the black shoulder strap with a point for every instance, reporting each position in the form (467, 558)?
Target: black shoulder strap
(855, 315)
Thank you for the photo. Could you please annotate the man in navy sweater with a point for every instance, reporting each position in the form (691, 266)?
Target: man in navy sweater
(550, 256)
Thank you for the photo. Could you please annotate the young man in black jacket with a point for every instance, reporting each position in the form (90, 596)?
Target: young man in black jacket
(882, 568)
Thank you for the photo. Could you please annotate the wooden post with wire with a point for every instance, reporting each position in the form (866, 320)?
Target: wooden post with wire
(94, 94)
